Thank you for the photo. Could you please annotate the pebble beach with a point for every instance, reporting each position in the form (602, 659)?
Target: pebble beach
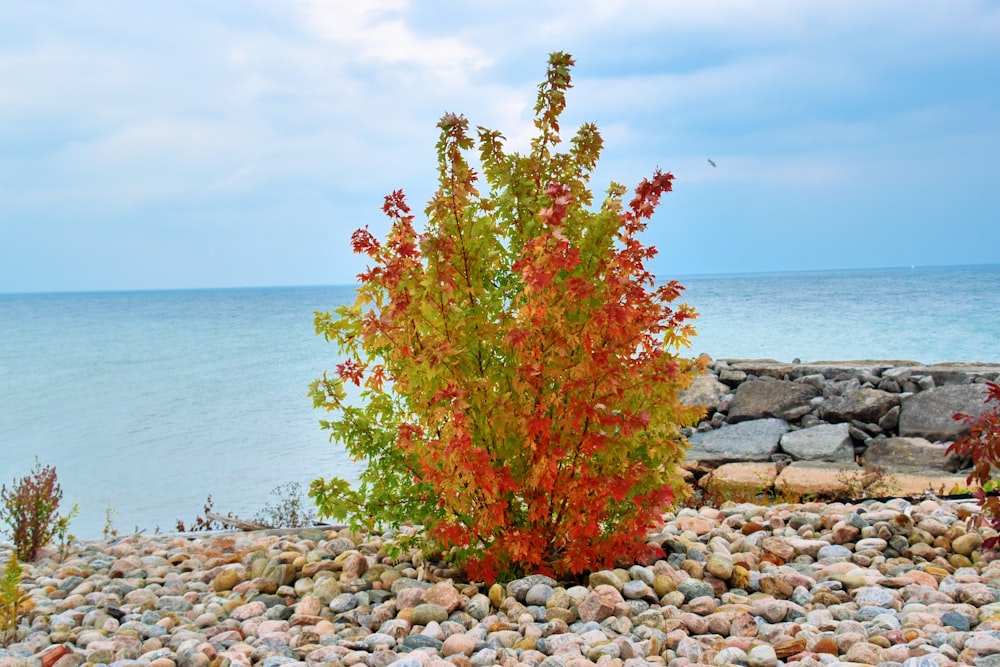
(890, 584)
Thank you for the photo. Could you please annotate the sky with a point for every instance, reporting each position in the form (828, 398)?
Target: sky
(224, 143)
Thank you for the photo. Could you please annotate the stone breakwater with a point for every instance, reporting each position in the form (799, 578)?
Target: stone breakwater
(809, 427)
(893, 584)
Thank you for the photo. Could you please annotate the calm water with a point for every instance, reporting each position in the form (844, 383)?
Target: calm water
(149, 401)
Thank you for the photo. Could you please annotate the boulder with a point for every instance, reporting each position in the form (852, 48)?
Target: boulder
(909, 455)
(761, 367)
(705, 390)
(779, 399)
(826, 442)
(928, 414)
(744, 475)
(864, 405)
(821, 478)
(747, 441)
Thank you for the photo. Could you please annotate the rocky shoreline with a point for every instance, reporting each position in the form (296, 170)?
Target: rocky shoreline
(806, 428)
(893, 584)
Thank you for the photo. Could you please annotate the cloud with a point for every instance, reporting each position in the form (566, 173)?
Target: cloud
(377, 32)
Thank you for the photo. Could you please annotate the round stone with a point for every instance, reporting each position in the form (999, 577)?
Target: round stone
(719, 565)
(426, 613)
(538, 594)
(956, 620)
(343, 602)
(694, 588)
(834, 551)
(762, 655)
(636, 590)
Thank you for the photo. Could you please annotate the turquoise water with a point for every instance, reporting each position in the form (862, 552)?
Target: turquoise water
(146, 402)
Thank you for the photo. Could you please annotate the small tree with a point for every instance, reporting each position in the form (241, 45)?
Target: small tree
(31, 510)
(517, 365)
(12, 600)
(982, 445)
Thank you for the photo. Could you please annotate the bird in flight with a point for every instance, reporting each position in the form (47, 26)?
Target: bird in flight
(711, 161)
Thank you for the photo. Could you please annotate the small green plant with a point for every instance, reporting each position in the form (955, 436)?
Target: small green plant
(31, 510)
(12, 599)
(291, 510)
(982, 445)
(109, 530)
(63, 535)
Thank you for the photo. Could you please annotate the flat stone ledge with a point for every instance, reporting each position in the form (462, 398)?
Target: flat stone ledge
(826, 479)
(749, 475)
(817, 478)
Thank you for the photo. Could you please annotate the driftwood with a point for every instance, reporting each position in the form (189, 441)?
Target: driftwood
(233, 521)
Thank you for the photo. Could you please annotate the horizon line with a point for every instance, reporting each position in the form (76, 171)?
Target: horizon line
(680, 278)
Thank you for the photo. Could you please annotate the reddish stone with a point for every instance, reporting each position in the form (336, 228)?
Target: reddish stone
(50, 657)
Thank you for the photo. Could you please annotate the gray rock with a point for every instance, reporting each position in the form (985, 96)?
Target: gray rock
(695, 588)
(956, 620)
(343, 602)
(538, 594)
(890, 420)
(837, 551)
(909, 454)
(928, 414)
(827, 442)
(747, 441)
(416, 641)
(518, 588)
(779, 399)
(864, 405)
(815, 380)
(732, 377)
(705, 390)
(478, 606)
(376, 639)
(637, 590)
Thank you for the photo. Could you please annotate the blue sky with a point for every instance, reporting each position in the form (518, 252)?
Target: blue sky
(236, 143)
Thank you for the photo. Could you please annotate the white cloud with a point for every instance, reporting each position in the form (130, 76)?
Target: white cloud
(377, 31)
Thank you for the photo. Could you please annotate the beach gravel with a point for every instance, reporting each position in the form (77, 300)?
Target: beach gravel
(891, 584)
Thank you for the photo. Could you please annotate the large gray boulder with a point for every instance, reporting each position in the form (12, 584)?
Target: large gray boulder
(779, 399)
(865, 405)
(826, 442)
(909, 455)
(705, 390)
(929, 414)
(748, 441)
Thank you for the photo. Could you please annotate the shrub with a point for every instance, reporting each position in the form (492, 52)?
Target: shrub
(290, 511)
(982, 445)
(517, 366)
(12, 599)
(204, 522)
(30, 508)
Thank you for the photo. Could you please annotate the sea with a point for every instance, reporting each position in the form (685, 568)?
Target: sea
(149, 402)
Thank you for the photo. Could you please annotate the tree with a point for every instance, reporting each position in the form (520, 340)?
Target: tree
(518, 366)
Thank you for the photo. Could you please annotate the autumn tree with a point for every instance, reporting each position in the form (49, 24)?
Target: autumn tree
(516, 364)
